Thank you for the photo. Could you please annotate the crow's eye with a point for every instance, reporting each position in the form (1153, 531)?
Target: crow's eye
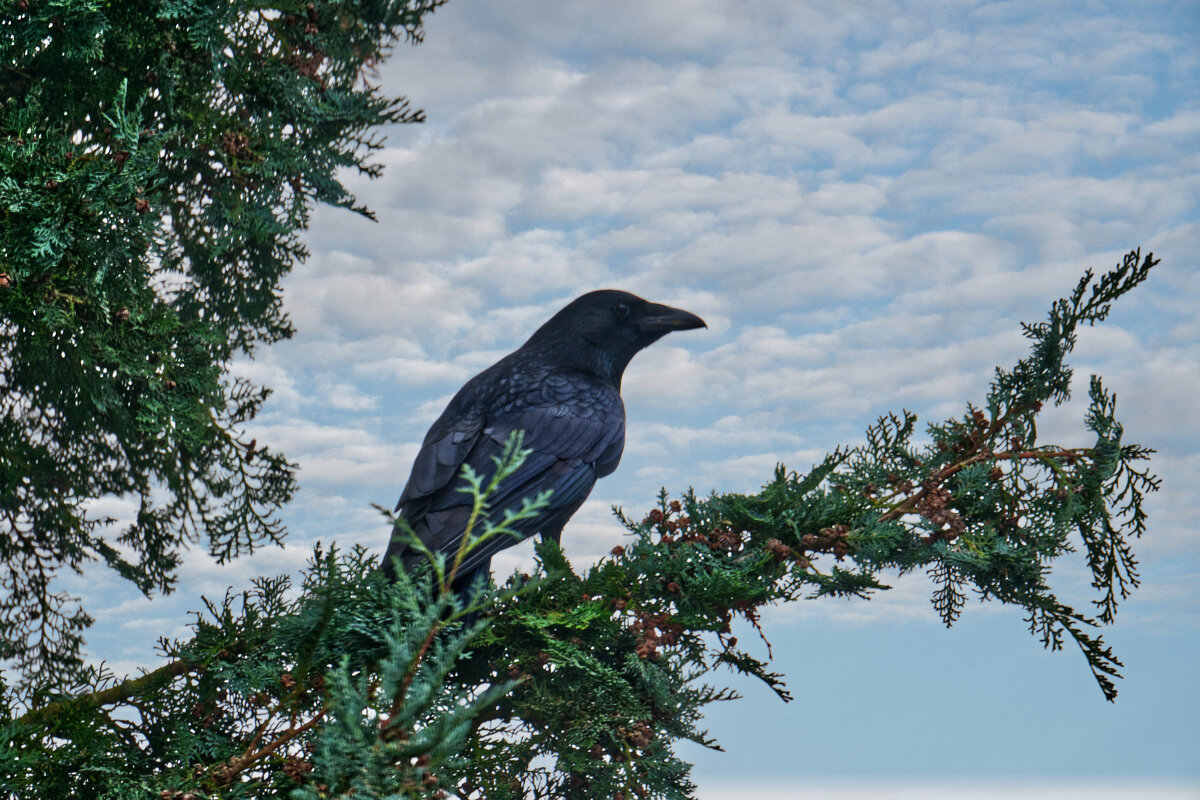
(621, 309)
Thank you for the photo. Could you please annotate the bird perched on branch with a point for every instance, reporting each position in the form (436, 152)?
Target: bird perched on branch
(563, 389)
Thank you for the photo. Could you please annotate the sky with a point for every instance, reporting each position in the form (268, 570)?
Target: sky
(863, 200)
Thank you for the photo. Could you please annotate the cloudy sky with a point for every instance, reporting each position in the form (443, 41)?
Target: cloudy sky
(863, 200)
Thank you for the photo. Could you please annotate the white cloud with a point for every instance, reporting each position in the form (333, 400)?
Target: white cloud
(530, 263)
(862, 200)
(346, 397)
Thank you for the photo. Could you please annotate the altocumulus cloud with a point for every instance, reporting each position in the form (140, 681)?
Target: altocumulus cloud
(862, 199)
(865, 202)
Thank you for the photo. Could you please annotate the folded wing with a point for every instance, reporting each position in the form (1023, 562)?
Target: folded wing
(571, 444)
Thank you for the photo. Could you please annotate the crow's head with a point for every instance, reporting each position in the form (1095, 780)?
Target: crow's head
(601, 331)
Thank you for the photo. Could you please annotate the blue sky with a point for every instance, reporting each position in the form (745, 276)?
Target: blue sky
(863, 200)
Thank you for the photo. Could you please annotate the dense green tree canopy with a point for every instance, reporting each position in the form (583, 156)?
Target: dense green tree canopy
(158, 161)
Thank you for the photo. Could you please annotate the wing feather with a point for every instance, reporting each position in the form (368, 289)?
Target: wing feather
(571, 446)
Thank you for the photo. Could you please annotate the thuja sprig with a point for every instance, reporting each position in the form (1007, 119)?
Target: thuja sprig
(159, 163)
(573, 684)
(983, 505)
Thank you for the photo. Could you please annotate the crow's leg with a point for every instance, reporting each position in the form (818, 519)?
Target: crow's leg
(552, 535)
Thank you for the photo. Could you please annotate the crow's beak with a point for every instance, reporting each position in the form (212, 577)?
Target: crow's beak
(662, 319)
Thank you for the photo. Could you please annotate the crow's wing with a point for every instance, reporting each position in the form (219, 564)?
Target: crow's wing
(572, 442)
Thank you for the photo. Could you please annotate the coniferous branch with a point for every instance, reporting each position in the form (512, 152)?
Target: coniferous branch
(578, 685)
(157, 164)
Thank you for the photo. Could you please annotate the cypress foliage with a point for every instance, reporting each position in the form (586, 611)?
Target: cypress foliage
(158, 160)
(563, 684)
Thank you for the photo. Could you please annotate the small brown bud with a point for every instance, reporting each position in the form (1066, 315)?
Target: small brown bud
(169, 384)
(777, 549)
(121, 314)
(5, 280)
(287, 680)
(618, 551)
(673, 587)
(142, 205)
(51, 185)
(296, 768)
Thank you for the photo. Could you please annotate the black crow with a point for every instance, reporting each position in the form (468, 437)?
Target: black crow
(563, 389)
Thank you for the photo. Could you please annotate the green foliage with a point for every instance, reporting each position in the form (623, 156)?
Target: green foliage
(569, 685)
(984, 506)
(158, 161)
